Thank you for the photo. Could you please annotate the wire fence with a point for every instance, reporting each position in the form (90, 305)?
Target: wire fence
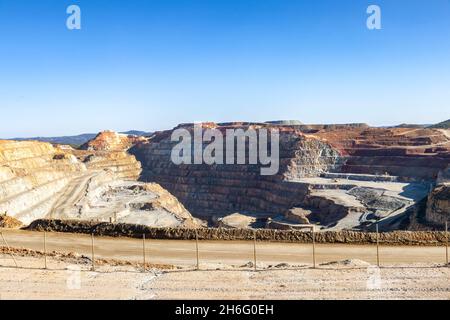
(207, 254)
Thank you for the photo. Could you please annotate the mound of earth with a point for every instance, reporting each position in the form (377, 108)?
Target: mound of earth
(343, 176)
(111, 141)
(442, 125)
(9, 222)
(236, 220)
(347, 176)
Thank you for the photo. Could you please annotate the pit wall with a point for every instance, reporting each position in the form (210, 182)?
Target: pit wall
(31, 174)
(137, 231)
(124, 165)
(220, 189)
(438, 204)
(408, 167)
(412, 154)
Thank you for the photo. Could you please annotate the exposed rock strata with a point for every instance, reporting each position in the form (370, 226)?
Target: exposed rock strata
(40, 180)
(394, 165)
(409, 153)
(111, 141)
(108, 150)
(438, 204)
(124, 165)
(9, 222)
(221, 188)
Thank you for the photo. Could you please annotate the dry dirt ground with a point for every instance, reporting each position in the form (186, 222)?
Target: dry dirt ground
(284, 270)
(352, 279)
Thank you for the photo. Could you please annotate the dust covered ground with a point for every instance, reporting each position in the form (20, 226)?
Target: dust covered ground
(70, 277)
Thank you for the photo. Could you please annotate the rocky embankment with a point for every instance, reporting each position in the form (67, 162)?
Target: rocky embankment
(408, 153)
(111, 141)
(108, 150)
(340, 176)
(31, 175)
(137, 231)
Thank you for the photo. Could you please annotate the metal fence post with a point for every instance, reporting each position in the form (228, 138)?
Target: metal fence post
(313, 247)
(254, 249)
(143, 249)
(446, 242)
(196, 249)
(92, 252)
(45, 250)
(378, 245)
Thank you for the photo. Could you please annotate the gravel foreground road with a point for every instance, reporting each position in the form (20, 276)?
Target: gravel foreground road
(183, 252)
(284, 270)
(352, 279)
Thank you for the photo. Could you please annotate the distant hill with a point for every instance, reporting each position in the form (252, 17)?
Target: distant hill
(138, 133)
(442, 125)
(410, 125)
(77, 140)
(285, 122)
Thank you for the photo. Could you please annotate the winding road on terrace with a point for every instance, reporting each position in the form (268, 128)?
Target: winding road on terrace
(69, 196)
(237, 253)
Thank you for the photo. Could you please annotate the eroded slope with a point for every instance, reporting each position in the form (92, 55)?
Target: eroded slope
(337, 176)
(38, 180)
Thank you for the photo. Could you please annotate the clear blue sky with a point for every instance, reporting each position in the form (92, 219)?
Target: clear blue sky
(151, 64)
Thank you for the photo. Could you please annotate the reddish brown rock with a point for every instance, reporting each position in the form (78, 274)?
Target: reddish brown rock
(111, 141)
(223, 188)
(411, 153)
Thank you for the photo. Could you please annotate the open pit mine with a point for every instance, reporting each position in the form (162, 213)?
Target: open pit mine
(334, 177)
(97, 182)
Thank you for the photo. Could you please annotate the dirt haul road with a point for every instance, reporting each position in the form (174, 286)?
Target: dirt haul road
(353, 280)
(69, 196)
(215, 253)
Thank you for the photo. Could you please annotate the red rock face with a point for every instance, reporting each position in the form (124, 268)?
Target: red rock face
(355, 151)
(413, 153)
(210, 189)
(111, 141)
(38, 180)
(438, 207)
